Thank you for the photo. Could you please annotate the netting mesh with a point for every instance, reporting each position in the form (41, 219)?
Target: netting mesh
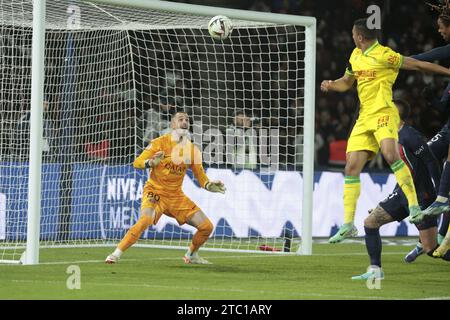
(113, 77)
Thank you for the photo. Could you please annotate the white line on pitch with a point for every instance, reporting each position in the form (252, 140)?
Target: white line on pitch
(188, 288)
(219, 257)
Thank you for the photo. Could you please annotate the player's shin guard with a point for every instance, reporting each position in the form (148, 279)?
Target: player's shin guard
(405, 181)
(373, 245)
(135, 232)
(203, 231)
(352, 190)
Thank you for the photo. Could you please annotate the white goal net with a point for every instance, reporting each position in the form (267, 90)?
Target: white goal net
(113, 77)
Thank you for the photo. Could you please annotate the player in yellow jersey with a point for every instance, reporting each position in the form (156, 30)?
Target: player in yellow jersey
(169, 156)
(375, 68)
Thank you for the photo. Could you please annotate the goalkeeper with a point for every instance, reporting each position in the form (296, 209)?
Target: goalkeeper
(169, 157)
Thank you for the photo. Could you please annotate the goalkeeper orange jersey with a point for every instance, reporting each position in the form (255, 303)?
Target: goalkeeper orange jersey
(168, 175)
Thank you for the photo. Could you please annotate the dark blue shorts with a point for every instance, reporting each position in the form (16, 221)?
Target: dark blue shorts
(396, 205)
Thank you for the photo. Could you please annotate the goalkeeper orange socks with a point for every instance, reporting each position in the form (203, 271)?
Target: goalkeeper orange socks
(352, 189)
(405, 181)
(134, 233)
(204, 229)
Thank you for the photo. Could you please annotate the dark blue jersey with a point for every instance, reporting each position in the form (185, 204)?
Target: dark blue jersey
(423, 165)
(439, 144)
(440, 53)
(424, 168)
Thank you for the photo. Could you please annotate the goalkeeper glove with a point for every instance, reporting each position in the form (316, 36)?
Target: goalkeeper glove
(215, 186)
(155, 160)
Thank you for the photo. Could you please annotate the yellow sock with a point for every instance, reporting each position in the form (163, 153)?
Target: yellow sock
(448, 234)
(135, 232)
(405, 181)
(202, 234)
(352, 189)
(446, 242)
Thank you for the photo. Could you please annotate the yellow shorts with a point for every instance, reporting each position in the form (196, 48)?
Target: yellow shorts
(368, 132)
(175, 205)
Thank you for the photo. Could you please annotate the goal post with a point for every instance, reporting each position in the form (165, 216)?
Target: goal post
(36, 114)
(125, 65)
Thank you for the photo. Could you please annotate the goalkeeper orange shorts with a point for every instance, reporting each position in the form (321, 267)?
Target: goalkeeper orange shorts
(368, 132)
(175, 205)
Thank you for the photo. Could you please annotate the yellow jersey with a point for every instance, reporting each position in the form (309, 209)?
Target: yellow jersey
(375, 71)
(168, 175)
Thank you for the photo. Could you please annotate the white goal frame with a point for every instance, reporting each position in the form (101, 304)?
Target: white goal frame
(31, 255)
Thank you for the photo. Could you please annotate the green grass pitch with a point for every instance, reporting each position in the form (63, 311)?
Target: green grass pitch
(160, 274)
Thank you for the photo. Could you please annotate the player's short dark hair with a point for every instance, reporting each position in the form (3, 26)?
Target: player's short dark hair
(404, 108)
(363, 29)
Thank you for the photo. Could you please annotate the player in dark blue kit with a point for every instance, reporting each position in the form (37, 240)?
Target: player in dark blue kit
(439, 145)
(424, 169)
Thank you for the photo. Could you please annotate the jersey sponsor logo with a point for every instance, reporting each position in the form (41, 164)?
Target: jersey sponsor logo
(365, 74)
(419, 151)
(174, 169)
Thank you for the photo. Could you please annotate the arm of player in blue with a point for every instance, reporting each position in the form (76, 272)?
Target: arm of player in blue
(433, 55)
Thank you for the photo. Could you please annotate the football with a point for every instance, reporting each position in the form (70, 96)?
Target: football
(220, 27)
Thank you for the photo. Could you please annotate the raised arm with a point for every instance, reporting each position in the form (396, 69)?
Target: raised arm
(413, 64)
(340, 85)
(433, 55)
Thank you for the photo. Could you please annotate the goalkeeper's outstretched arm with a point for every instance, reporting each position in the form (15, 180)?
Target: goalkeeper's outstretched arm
(202, 178)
